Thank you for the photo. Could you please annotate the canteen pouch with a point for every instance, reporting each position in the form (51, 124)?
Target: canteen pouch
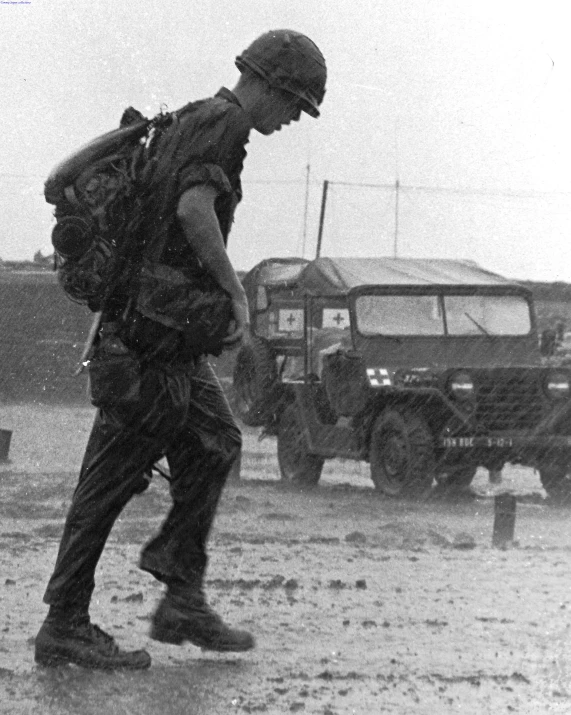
(114, 374)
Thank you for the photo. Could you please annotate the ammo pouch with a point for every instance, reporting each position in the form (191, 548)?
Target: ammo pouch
(114, 372)
(188, 300)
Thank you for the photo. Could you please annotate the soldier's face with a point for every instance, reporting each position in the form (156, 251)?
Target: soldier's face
(277, 108)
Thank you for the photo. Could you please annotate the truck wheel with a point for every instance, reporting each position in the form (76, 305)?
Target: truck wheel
(402, 454)
(556, 480)
(255, 374)
(296, 464)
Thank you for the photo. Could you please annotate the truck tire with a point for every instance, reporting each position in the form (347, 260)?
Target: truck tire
(556, 480)
(297, 465)
(255, 377)
(402, 454)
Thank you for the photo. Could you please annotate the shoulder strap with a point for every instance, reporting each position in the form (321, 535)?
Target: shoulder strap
(159, 182)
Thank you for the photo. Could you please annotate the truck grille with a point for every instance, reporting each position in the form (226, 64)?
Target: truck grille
(509, 399)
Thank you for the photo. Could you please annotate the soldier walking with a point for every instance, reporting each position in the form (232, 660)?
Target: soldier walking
(181, 412)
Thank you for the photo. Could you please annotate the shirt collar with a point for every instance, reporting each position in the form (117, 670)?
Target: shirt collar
(229, 96)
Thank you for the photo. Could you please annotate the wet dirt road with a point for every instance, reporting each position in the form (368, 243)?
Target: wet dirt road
(359, 604)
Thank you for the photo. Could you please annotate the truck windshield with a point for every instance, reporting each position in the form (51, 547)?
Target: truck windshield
(490, 314)
(425, 315)
(399, 315)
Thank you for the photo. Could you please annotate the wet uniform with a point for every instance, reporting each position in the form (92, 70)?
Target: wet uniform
(182, 412)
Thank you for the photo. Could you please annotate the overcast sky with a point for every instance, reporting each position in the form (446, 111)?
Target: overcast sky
(466, 101)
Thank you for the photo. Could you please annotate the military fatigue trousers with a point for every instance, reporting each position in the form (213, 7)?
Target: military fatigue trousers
(182, 414)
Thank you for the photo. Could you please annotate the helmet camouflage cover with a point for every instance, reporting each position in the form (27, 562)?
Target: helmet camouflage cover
(290, 61)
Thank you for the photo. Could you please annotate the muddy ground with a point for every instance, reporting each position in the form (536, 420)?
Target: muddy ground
(360, 604)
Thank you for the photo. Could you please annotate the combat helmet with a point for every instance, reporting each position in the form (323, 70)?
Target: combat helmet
(291, 61)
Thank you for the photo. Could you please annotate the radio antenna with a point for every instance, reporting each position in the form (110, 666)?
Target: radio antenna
(305, 210)
(397, 188)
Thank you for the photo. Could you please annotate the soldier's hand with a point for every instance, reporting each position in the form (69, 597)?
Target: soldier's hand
(239, 329)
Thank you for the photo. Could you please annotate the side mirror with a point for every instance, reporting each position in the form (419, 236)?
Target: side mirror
(548, 342)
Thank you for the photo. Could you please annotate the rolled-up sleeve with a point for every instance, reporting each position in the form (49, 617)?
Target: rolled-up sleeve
(196, 174)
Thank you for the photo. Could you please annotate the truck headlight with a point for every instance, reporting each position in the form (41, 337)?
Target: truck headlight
(557, 386)
(461, 385)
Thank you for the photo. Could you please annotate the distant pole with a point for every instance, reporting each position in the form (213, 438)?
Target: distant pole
(307, 172)
(322, 218)
(397, 186)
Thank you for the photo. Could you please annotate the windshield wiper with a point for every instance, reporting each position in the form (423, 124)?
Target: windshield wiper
(480, 327)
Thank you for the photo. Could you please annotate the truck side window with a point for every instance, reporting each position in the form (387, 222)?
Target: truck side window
(261, 298)
(330, 332)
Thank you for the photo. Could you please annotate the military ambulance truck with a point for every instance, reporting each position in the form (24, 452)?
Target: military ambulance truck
(426, 369)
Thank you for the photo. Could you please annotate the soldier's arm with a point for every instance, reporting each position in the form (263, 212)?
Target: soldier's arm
(198, 220)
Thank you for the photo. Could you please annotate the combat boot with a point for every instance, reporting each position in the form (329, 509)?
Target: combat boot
(85, 644)
(191, 619)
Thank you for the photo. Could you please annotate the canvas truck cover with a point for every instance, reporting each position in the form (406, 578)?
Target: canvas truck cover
(273, 272)
(339, 276)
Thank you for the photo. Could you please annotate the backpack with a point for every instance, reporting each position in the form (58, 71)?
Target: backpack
(111, 199)
(95, 192)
